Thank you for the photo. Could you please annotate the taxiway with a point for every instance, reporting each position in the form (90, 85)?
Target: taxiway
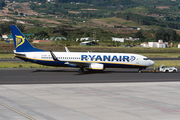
(38, 94)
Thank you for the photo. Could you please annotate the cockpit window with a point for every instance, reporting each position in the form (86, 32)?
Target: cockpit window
(145, 58)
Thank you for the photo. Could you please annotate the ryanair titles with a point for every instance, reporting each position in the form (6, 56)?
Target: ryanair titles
(107, 58)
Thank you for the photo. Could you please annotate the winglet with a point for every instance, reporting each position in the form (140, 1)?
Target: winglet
(67, 50)
(53, 56)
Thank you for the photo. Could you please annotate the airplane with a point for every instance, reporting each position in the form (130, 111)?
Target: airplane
(82, 60)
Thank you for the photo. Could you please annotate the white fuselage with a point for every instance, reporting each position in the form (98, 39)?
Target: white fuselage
(107, 59)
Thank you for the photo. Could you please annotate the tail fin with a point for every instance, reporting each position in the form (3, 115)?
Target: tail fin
(67, 50)
(21, 43)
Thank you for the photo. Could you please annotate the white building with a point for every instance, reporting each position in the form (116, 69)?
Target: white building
(159, 44)
(88, 43)
(132, 39)
(153, 44)
(86, 39)
(123, 39)
(5, 37)
(118, 39)
(178, 45)
(41, 41)
(162, 44)
(144, 44)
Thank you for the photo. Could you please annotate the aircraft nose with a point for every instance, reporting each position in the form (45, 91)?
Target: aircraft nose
(151, 63)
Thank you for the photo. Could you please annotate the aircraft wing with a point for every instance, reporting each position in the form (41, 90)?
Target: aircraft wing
(81, 64)
(84, 64)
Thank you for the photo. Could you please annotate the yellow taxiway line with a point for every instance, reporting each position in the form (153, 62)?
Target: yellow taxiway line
(16, 111)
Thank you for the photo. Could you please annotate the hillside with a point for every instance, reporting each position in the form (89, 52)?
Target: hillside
(82, 18)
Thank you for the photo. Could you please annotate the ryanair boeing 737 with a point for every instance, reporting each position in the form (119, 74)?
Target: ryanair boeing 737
(82, 60)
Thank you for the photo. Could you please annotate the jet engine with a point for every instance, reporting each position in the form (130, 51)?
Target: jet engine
(96, 66)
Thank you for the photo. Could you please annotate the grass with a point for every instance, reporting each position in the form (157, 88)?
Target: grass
(7, 56)
(124, 22)
(21, 65)
(161, 55)
(139, 9)
(169, 63)
(119, 21)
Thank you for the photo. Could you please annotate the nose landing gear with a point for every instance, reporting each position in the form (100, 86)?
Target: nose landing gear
(141, 69)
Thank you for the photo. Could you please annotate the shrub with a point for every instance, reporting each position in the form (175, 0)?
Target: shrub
(20, 66)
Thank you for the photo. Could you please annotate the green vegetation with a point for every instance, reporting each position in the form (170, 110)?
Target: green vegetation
(7, 56)
(112, 20)
(5, 27)
(169, 63)
(21, 65)
(161, 55)
(73, 20)
(2, 4)
(145, 20)
(81, 18)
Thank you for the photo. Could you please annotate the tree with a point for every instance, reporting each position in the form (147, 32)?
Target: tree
(62, 30)
(4, 28)
(166, 34)
(21, 14)
(16, 13)
(2, 4)
(139, 35)
(42, 34)
(21, 27)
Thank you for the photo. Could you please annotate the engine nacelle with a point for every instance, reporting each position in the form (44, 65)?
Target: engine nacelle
(96, 66)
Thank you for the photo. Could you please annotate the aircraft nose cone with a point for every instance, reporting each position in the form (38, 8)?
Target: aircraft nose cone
(151, 63)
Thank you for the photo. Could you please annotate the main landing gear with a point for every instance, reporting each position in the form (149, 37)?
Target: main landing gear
(140, 70)
(81, 70)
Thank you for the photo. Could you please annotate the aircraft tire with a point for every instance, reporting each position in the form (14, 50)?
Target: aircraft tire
(81, 70)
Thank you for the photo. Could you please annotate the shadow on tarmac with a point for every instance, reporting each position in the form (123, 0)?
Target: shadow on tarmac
(107, 71)
(92, 72)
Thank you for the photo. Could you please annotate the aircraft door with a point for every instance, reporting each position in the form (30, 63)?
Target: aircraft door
(137, 60)
(35, 57)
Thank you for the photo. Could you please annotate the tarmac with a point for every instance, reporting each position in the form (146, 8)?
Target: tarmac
(115, 94)
(71, 75)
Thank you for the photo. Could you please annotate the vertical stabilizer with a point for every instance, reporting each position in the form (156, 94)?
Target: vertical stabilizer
(67, 50)
(21, 43)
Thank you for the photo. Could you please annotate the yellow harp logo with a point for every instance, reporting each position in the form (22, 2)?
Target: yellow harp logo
(19, 40)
